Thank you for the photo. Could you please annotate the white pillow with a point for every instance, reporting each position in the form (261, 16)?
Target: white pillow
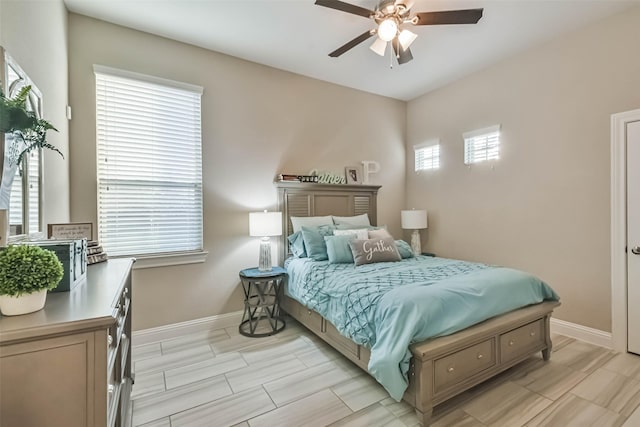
(360, 233)
(360, 220)
(380, 233)
(310, 221)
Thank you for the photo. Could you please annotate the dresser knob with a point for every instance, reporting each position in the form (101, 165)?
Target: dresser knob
(480, 356)
(532, 333)
(309, 312)
(450, 369)
(511, 343)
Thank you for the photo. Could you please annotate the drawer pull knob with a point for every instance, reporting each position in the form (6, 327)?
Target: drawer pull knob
(450, 369)
(532, 333)
(309, 312)
(480, 356)
(511, 342)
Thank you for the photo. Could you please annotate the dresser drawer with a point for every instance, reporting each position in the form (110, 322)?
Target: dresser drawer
(462, 364)
(521, 340)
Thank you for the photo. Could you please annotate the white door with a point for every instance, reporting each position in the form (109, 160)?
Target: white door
(633, 236)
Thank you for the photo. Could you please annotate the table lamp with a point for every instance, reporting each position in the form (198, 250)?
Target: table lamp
(415, 220)
(265, 224)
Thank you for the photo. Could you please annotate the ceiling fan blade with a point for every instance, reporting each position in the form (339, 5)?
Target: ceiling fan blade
(402, 55)
(467, 16)
(345, 7)
(353, 43)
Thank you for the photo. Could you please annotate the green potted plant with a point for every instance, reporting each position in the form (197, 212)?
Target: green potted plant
(24, 125)
(26, 274)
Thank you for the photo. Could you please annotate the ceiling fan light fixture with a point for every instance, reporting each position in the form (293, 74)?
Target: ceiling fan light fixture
(388, 29)
(379, 46)
(405, 38)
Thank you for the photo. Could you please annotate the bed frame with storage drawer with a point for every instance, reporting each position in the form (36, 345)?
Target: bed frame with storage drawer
(440, 368)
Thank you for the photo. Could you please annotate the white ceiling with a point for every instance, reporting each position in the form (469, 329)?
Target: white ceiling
(296, 35)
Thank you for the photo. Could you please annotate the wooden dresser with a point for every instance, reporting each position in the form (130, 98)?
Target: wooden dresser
(70, 363)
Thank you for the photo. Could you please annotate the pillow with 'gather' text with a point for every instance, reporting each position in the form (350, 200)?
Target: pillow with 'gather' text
(374, 250)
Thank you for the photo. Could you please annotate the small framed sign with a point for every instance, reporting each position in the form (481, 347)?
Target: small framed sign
(70, 231)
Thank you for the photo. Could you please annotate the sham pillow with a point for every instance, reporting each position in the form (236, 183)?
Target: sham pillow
(359, 233)
(362, 220)
(338, 249)
(314, 241)
(296, 245)
(404, 249)
(310, 221)
(379, 233)
(374, 250)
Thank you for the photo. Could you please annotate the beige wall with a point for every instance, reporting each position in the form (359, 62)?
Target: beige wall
(35, 35)
(257, 122)
(544, 206)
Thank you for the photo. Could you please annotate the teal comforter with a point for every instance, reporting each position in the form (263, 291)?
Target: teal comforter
(387, 306)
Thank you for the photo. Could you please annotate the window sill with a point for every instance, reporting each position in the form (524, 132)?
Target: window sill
(166, 260)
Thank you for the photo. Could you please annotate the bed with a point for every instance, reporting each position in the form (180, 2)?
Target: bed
(436, 368)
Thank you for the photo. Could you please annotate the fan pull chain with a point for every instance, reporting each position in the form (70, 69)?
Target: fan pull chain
(391, 57)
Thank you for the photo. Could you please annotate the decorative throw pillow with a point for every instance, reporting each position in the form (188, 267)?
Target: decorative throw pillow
(362, 220)
(374, 250)
(310, 221)
(360, 233)
(314, 241)
(379, 233)
(338, 249)
(404, 249)
(296, 245)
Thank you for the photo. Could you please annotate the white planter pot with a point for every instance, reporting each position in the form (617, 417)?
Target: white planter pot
(23, 304)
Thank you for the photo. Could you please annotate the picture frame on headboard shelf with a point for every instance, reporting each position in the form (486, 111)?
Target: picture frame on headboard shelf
(353, 175)
(70, 231)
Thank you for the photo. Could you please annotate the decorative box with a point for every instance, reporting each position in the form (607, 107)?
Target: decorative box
(73, 256)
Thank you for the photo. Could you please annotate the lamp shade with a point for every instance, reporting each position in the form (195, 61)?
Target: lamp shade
(264, 224)
(414, 219)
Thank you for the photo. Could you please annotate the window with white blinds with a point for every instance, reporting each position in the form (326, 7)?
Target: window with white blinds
(481, 145)
(149, 150)
(427, 156)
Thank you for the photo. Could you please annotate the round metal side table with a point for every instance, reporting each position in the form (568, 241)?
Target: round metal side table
(262, 291)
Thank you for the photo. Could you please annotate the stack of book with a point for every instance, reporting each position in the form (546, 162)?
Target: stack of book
(95, 253)
(298, 178)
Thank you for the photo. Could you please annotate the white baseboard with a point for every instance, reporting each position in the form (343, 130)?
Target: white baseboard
(147, 336)
(582, 333)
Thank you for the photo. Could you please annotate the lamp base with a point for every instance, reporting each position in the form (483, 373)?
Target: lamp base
(264, 262)
(415, 243)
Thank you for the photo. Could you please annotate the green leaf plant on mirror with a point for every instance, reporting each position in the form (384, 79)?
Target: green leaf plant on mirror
(24, 125)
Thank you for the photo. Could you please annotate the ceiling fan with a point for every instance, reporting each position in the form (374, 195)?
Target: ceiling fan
(390, 16)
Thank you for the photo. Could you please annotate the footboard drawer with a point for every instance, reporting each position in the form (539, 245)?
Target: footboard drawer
(522, 340)
(451, 369)
(340, 342)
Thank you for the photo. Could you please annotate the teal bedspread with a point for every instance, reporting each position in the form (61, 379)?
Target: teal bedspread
(387, 306)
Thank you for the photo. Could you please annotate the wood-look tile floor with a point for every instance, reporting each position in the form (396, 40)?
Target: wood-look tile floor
(220, 378)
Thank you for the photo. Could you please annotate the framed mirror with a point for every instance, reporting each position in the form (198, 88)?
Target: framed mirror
(22, 184)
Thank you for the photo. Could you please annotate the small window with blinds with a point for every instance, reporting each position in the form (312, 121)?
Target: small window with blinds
(149, 148)
(482, 145)
(427, 156)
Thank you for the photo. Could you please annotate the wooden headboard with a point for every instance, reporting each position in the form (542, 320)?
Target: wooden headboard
(307, 199)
